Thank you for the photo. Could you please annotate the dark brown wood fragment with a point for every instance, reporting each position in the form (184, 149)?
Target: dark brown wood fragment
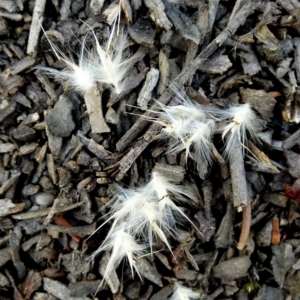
(19, 67)
(175, 173)
(292, 140)
(5, 256)
(84, 288)
(95, 148)
(59, 290)
(146, 91)
(289, 5)
(14, 242)
(148, 271)
(250, 63)
(21, 99)
(183, 23)
(45, 211)
(232, 82)
(261, 101)
(142, 32)
(7, 110)
(10, 85)
(218, 64)
(82, 231)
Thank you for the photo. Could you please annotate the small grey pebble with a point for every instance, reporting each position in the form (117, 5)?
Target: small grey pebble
(60, 119)
(44, 199)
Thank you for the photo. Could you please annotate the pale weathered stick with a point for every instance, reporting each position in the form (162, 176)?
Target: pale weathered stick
(212, 12)
(35, 27)
(11, 16)
(146, 91)
(93, 101)
(188, 72)
(237, 174)
(45, 211)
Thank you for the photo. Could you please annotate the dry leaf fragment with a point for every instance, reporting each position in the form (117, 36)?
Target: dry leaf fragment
(275, 232)
(32, 282)
(293, 192)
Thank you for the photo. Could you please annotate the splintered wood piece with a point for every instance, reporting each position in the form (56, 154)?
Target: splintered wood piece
(164, 68)
(202, 21)
(237, 6)
(59, 290)
(45, 211)
(297, 58)
(93, 103)
(51, 168)
(157, 13)
(291, 110)
(175, 173)
(76, 232)
(264, 34)
(149, 85)
(218, 64)
(10, 85)
(46, 84)
(91, 145)
(262, 157)
(35, 27)
(289, 5)
(212, 12)
(250, 63)
(19, 66)
(142, 32)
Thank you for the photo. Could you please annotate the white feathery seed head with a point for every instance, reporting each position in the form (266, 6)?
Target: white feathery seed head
(161, 186)
(121, 245)
(182, 292)
(186, 107)
(199, 138)
(112, 65)
(242, 121)
(108, 65)
(81, 75)
(162, 191)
